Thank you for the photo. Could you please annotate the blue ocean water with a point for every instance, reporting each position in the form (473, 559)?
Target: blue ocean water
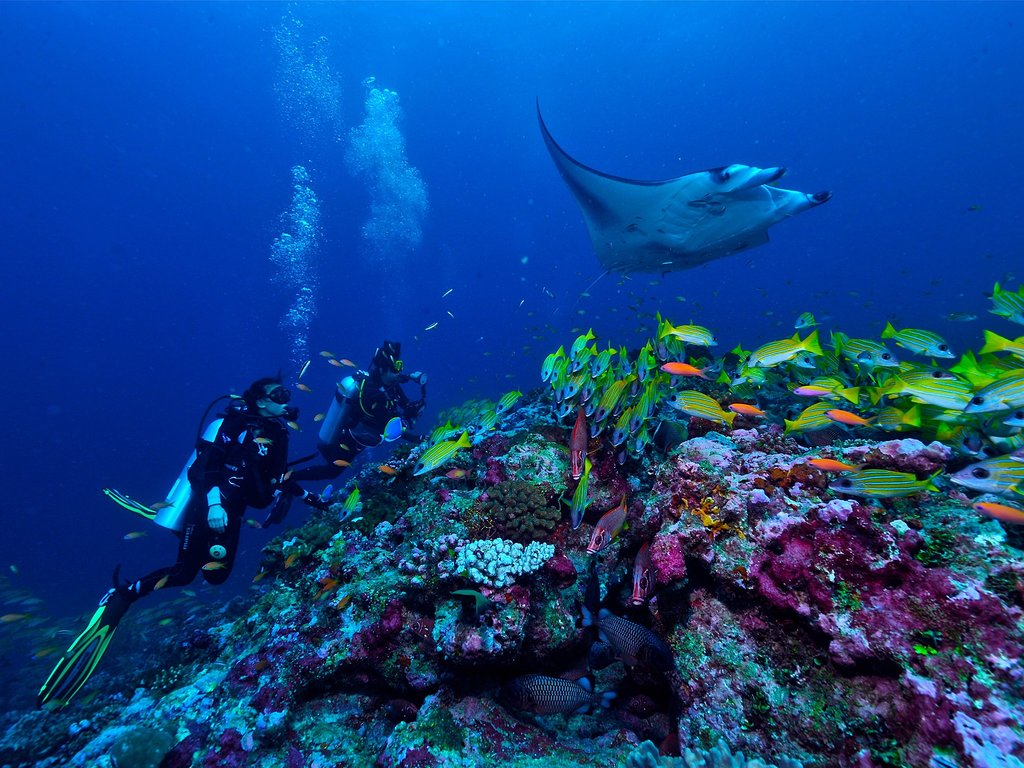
(148, 171)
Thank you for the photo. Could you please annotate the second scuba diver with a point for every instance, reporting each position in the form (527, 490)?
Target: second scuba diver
(239, 462)
(369, 408)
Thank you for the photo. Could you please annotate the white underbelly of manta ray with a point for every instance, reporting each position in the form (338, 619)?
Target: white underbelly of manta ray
(660, 226)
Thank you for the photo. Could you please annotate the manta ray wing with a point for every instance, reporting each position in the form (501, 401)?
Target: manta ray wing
(659, 226)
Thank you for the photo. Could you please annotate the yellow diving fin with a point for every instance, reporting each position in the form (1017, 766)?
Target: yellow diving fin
(130, 504)
(80, 660)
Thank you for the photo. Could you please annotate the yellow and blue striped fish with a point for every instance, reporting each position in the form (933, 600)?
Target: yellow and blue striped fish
(918, 341)
(882, 484)
(811, 419)
(999, 475)
(702, 406)
(1003, 394)
(438, 454)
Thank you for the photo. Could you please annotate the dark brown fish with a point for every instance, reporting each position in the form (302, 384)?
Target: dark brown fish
(634, 643)
(553, 695)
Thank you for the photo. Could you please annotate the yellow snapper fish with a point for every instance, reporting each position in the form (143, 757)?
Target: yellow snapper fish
(1003, 394)
(811, 419)
(883, 484)
(440, 453)
(1000, 476)
(777, 352)
(696, 335)
(1008, 304)
(996, 343)
(702, 406)
(918, 341)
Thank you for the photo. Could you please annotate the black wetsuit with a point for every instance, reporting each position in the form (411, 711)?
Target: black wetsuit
(246, 462)
(364, 417)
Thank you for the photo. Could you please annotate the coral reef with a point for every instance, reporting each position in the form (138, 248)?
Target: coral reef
(837, 632)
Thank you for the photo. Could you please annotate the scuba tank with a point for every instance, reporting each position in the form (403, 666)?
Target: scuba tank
(172, 516)
(338, 414)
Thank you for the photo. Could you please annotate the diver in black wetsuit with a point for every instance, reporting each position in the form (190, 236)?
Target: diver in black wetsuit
(240, 462)
(369, 408)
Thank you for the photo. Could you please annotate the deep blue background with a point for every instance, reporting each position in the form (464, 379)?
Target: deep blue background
(146, 164)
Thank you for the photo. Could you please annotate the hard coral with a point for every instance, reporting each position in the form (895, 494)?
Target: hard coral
(515, 510)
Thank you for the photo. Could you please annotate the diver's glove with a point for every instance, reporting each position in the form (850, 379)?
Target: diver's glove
(217, 518)
(312, 500)
(278, 512)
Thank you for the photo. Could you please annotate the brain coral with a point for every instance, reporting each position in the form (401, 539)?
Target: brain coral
(515, 510)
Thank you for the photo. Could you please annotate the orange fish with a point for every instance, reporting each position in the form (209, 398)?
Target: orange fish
(327, 585)
(848, 418)
(349, 363)
(342, 463)
(684, 369)
(290, 560)
(388, 470)
(832, 465)
(215, 565)
(455, 474)
(342, 602)
(746, 409)
(162, 583)
(1003, 512)
(319, 417)
(325, 353)
(335, 362)
(303, 387)
(608, 527)
(134, 535)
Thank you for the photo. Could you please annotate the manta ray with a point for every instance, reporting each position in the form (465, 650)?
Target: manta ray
(660, 226)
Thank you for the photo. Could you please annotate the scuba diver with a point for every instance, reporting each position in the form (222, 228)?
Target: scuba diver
(369, 408)
(240, 461)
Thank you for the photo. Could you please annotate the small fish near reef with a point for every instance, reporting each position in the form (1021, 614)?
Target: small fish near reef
(545, 695)
(883, 484)
(578, 442)
(608, 527)
(440, 453)
(634, 644)
(643, 576)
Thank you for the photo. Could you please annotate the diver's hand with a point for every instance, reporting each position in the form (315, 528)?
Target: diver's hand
(313, 500)
(217, 518)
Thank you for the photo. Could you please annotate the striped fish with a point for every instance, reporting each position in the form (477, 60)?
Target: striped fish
(999, 475)
(1008, 304)
(882, 484)
(611, 398)
(508, 400)
(777, 352)
(578, 505)
(580, 343)
(702, 406)
(440, 453)
(924, 387)
(867, 352)
(918, 341)
(634, 643)
(643, 575)
(811, 419)
(545, 695)
(1003, 394)
(547, 368)
(996, 343)
(697, 335)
